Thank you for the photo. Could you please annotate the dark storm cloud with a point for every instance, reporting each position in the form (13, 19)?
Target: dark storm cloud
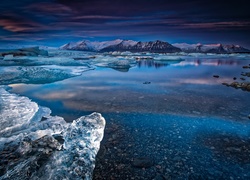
(147, 19)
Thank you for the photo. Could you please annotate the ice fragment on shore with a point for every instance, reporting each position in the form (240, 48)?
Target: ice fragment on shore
(30, 150)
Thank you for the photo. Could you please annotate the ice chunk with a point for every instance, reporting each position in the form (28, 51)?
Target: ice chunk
(82, 142)
(121, 64)
(20, 117)
(15, 110)
(8, 57)
(29, 148)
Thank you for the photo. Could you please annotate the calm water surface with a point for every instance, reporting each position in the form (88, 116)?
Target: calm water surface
(177, 116)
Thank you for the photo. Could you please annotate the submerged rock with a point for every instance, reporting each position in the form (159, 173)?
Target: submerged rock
(142, 162)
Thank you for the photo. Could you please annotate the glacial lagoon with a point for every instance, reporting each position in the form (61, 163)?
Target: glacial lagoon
(167, 116)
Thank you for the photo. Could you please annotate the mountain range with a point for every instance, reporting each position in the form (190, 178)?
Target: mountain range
(152, 46)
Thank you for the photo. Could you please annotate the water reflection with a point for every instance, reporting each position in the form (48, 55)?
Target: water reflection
(209, 62)
(155, 63)
(188, 62)
(208, 146)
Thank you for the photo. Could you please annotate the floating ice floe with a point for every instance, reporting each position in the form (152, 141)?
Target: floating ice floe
(38, 74)
(36, 145)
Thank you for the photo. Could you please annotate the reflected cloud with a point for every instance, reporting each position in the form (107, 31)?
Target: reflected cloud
(208, 81)
(55, 95)
(205, 62)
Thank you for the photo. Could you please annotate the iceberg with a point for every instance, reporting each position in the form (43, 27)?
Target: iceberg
(30, 51)
(36, 145)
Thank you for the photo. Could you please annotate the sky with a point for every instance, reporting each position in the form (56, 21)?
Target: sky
(56, 22)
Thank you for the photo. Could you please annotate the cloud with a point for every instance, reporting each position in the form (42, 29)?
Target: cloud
(16, 23)
(84, 17)
(49, 8)
(132, 18)
(218, 25)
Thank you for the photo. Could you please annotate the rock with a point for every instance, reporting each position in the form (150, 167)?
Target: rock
(147, 82)
(226, 84)
(244, 85)
(235, 84)
(245, 67)
(159, 177)
(243, 79)
(249, 116)
(142, 162)
(216, 76)
(248, 87)
(234, 78)
(246, 74)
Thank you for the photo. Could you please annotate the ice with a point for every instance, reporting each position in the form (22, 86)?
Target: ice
(38, 74)
(20, 117)
(62, 64)
(30, 146)
(82, 142)
(29, 51)
(21, 112)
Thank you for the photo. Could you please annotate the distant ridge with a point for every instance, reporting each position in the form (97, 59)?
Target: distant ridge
(211, 48)
(152, 46)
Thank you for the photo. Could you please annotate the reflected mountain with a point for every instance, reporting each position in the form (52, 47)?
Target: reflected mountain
(209, 62)
(155, 63)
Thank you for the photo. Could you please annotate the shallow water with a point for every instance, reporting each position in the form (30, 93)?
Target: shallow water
(178, 115)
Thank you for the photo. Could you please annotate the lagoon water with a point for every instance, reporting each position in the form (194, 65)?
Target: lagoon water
(176, 117)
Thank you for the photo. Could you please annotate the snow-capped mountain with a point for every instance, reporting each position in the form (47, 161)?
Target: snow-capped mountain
(152, 46)
(81, 46)
(89, 46)
(122, 45)
(211, 48)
